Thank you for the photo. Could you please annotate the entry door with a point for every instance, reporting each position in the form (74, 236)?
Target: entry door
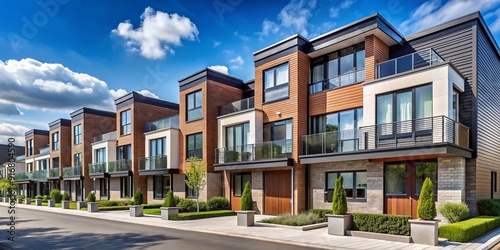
(277, 192)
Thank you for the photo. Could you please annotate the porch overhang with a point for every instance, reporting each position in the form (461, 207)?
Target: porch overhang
(56, 178)
(276, 163)
(22, 182)
(120, 174)
(73, 178)
(158, 171)
(98, 175)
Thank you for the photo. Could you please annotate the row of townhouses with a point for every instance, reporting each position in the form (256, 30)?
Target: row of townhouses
(382, 110)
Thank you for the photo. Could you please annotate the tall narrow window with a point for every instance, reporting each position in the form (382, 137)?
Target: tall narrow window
(384, 109)
(161, 183)
(125, 187)
(276, 83)
(454, 106)
(77, 131)
(195, 145)
(100, 155)
(103, 185)
(194, 105)
(77, 159)
(29, 147)
(125, 122)
(493, 183)
(55, 141)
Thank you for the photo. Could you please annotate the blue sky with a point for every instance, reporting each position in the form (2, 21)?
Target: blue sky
(59, 55)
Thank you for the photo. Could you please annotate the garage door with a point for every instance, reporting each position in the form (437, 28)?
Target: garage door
(277, 192)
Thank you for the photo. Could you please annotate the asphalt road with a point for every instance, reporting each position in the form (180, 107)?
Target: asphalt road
(45, 230)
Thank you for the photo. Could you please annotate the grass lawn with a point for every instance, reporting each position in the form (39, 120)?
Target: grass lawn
(152, 211)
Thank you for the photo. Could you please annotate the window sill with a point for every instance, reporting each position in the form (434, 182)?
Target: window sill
(278, 100)
(194, 120)
(126, 134)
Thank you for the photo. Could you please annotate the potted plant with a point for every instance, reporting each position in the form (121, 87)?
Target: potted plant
(65, 200)
(38, 200)
(92, 205)
(339, 221)
(19, 199)
(136, 210)
(55, 197)
(246, 216)
(169, 206)
(27, 201)
(425, 229)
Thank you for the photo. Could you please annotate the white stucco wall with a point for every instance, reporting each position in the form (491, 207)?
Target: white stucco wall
(171, 147)
(255, 119)
(110, 147)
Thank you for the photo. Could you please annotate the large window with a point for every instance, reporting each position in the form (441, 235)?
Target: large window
(100, 155)
(103, 185)
(454, 106)
(77, 160)
(239, 181)
(281, 134)
(405, 105)
(77, 131)
(43, 164)
(276, 85)
(194, 105)
(55, 141)
(125, 122)
(55, 162)
(340, 68)
(161, 185)
(354, 185)
(237, 135)
(126, 187)
(157, 146)
(29, 147)
(194, 145)
(124, 152)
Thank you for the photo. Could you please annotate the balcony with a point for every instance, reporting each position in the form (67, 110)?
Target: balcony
(338, 81)
(155, 165)
(54, 173)
(45, 150)
(106, 137)
(169, 122)
(119, 167)
(431, 136)
(40, 175)
(237, 106)
(97, 169)
(23, 177)
(72, 173)
(409, 62)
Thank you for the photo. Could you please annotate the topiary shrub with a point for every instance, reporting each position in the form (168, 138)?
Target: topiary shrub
(56, 195)
(467, 230)
(454, 212)
(114, 203)
(489, 207)
(339, 200)
(381, 223)
(426, 209)
(65, 196)
(138, 196)
(169, 200)
(246, 203)
(45, 198)
(218, 203)
(38, 197)
(187, 205)
(91, 197)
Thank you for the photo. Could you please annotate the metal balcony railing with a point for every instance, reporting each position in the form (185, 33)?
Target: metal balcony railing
(169, 122)
(236, 106)
(119, 166)
(72, 171)
(338, 81)
(97, 168)
(280, 149)
(54, 172)
(409, 62)
(106, 137)
(153, 163)
(419, 132)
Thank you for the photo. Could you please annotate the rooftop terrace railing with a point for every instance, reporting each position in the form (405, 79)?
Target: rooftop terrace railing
(409, 62)
(169, 122)
(240, 105)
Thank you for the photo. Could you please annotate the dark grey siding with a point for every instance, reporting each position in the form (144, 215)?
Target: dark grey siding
(454, 44)
(488, 115)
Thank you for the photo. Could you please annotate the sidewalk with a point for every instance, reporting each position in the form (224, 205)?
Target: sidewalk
(318, 238)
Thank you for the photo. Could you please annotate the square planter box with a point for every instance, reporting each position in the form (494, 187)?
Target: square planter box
(338, 224)
(1, 199)
(92, 207)
(6, 200)
(38, 202)
(65, 204)
(27, 201)
(424, 231)
(166, 212)
(80, 205)
(136, 210)
(245, 218)
(19, 200)
(52, 203)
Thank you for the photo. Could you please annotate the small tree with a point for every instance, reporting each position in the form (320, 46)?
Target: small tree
(339, 200)
(138, 196)
(91, 197)
(6, 185)
(55, 195)
(169, 200)
(426, 209)
(246, 203)
(195, 178)
(65, 196)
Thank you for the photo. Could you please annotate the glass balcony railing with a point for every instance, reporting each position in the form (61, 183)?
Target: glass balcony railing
(106, 137)
(330, 142)
(54, 172)
(40, 175)
(72, 171)
(24, 176)
(45, 150)
(153, 163)
(280, 149)
(119, 166)
(97, 168)
(409, 62)
(338, 81)
(169, 122)
(236, 106)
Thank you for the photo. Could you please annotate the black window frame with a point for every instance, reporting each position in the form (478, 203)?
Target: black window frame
(193, 96)
(190, 193)
(55, 141)
(77, 137)
(126, 192)
(274, 87)
(164, 192)
(494, 182)
(354, 182)
(234, 135)
(163, 146)
(75, 161)
(126, 122)
(195, 150)
(103, 181)
(242, 187)
(29, 147)
(124, 152)
(55, 162)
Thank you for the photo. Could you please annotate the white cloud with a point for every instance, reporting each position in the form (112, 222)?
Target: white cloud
(147, 93)
(242, 37)
(237, 62)
(335, 11)
(157, 34)
(433, 12)
(495, 24)
(7, 129)
(220, 68)
(9, 109)
(216, 44)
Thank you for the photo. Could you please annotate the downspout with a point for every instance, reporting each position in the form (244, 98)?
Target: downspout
(293, 196)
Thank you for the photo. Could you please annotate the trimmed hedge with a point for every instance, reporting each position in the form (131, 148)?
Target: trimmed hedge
(468, 230)
(321, 213)
(454, 212)
(381, 223)
(113, 203)
(218, 203)
(202, 215)
(301, 219)
(489, 207)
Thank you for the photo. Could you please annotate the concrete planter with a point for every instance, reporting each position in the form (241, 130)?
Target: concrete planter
(245, 218)
(1, 199)
(52, 203)
(166, 212)
(19, 200)
(27, 201)
(424, 231)
(38, 202)
(92, 207)
(136, 210)
(65, 204)
(338, 224)
(6, 200)
(80, 205)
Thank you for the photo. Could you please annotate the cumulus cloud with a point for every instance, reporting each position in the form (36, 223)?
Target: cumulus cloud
(147, 93)
(237, 62)
(216, 44)
(8, 130)
(157, 34)
(495, 17)
(433, 12)
(220, 68)
(9, 109)
(335, 10)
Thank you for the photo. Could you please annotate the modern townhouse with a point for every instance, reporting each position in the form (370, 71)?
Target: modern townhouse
(34, 180)
(60, 151)
(18, 170)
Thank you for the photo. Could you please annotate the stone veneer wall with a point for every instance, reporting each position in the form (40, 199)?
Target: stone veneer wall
(451, 174)
(470, 189)
(258, 191)
(213, 187)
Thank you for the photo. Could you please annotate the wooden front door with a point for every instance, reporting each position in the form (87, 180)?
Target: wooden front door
(277, 192)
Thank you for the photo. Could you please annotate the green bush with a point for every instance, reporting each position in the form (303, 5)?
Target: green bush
(56, 195)
(115, 208)
(187, 205)
(246, 156)
(218, 203)
(45, 198)
(65, 196)
(203, 206)
(232, 156)
(426, 209)
(489, 207)
(38, 197)
(201, 215)
(321, 212)
(300, 219)
(246, 203)
(454, 212)
(381, 223)
(263, 151)
(20, 197)
(113, 203)
(152, 205)
(169, 200)
(138, 197)
(467, 230)
(91, 197)
(339, 200)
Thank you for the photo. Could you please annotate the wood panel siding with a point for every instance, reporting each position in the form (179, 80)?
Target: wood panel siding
(376, 51)
(335, 100)
(277, 192)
